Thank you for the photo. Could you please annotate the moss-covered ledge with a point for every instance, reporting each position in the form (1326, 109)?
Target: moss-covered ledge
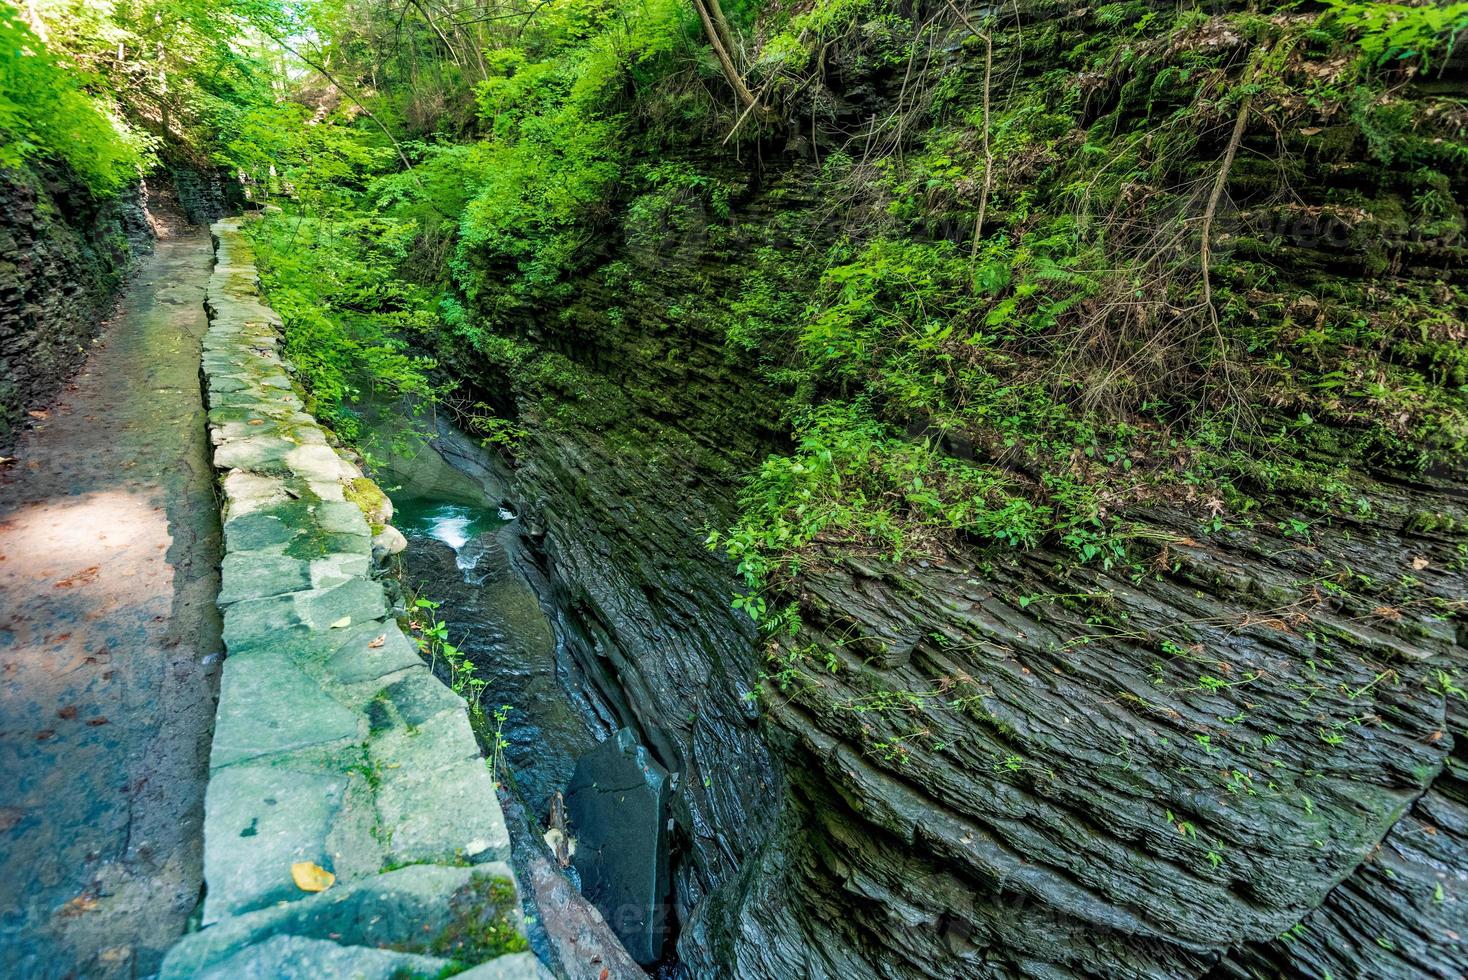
(334, 745)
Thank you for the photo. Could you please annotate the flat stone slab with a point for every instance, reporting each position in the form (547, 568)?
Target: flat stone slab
(414, 909)
(437, 760)
(299, 958)
(254, 576)
(268, 705)
(373, 911)
(512, 966)
(371, 651)
(259, 820)
(253, 620)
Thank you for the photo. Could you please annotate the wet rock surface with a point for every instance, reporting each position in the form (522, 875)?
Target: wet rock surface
(466, 554)
(987, 762)
(585, 946)
(205, 194)
(618, 808)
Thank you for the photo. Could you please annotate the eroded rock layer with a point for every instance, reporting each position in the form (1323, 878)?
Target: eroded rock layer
(62, 258)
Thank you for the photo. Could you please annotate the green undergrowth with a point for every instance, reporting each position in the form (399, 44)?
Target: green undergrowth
(1062, 267)
(47, 113)
(1082, 360)
(349, 318)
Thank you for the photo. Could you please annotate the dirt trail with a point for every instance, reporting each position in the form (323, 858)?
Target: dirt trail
(109, 643)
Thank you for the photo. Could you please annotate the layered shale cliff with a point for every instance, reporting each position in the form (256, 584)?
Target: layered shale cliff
(1237, 752)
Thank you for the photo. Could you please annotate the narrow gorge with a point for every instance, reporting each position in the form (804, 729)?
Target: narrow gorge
(894, 489)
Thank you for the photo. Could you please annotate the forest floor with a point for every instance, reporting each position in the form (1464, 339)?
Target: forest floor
(109, 642)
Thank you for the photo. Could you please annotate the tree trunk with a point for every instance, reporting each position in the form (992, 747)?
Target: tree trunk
(726, 62)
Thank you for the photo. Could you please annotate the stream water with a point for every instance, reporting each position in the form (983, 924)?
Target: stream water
(462, 543)
(464, 552)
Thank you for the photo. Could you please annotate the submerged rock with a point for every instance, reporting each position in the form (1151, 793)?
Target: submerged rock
(618, 806)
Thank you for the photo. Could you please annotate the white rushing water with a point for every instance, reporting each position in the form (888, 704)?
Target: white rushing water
(450, 528)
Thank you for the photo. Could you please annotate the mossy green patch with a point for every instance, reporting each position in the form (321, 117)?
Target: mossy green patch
(370, 499)
(486, 923)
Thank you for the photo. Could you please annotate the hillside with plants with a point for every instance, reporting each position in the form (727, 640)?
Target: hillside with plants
(1077, 393)
(1007, 459)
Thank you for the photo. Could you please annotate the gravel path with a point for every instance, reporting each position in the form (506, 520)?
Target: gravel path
(109, 642)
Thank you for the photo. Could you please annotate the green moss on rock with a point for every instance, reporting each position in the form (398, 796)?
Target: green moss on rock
(370, 499)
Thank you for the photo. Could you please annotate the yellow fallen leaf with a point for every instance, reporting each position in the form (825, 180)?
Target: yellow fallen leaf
(344, 621)
(311, 877)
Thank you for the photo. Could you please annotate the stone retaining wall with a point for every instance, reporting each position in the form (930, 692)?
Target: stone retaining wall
(334, 744)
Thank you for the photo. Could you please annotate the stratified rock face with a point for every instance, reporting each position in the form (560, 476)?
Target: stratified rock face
(618, 807)
(206, 195)
(1001, 766)
(62, 257)
(998, 764)
(644, 608)
(1402, 913)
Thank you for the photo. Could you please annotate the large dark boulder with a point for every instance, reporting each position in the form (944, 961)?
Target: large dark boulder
(618, 809)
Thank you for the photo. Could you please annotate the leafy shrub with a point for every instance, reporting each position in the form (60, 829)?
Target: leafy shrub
(347, 315)
(46, 113)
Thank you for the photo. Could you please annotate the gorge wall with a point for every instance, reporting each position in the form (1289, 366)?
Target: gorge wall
(1237, 754)
(1243, 757)
(63, 255)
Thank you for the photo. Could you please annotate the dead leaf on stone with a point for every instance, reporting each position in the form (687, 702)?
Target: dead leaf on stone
(342, 623)
(311, 877)
(381, 639)
(82, 903)
(80, 578)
